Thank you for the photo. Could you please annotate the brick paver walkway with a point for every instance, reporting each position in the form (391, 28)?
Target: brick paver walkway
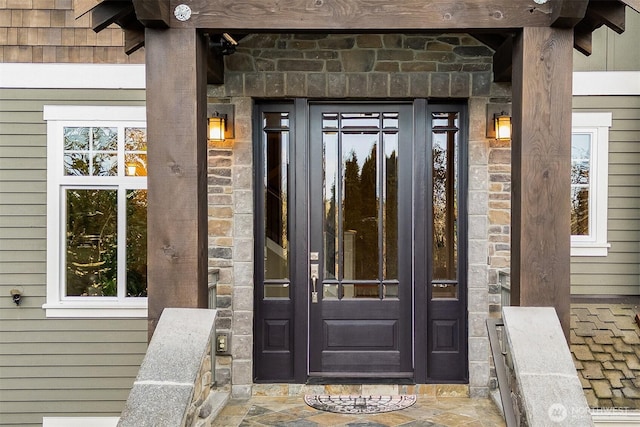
(606, 350)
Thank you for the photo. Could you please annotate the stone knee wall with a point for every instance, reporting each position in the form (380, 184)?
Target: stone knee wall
(174, 383)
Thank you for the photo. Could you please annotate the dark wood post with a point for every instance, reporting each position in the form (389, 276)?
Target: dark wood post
(177, 180)
(541, 161)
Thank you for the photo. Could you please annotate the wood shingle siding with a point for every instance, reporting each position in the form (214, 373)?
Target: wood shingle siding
(48, 31)
(51, 367)
(619, 272)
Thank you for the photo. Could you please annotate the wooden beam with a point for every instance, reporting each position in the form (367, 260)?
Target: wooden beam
(611, 13)
(582, 41)
(108, 12)
(177, 180)
(133, 39)
(153, 13)
(541, 164)
(503, 61)
(356, 15)
(567, 13)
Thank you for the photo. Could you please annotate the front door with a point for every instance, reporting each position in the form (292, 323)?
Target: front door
(360, 243)
(360, 261)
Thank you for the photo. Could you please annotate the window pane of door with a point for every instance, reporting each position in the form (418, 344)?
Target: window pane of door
(360, 165)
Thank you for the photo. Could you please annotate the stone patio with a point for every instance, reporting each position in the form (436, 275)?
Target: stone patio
(427, 411)
(606, 350)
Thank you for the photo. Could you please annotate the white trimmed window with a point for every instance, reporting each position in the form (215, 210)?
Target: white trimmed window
(96, 211)
(589, 180)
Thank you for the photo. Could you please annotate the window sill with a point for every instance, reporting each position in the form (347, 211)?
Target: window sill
(93, 310)
(590, 249)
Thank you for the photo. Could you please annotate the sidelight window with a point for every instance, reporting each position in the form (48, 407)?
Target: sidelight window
(444, 151)
(275, 181)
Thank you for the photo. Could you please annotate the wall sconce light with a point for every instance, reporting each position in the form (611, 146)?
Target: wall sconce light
(499, 121)
(220, 122)
(217, 126)
(132, 169)
(502, 124)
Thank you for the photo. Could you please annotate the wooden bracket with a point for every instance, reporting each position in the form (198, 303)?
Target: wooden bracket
(567, 13)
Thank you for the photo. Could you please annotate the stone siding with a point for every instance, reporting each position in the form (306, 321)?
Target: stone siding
(371, 66)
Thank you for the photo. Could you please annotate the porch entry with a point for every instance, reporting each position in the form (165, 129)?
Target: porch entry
(360, 242)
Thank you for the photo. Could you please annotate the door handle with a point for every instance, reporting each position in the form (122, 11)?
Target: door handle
(314, 281)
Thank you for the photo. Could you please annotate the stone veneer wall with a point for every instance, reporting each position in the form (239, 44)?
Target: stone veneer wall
(389, 66)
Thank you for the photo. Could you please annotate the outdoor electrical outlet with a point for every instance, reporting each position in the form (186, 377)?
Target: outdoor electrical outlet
(222, 343)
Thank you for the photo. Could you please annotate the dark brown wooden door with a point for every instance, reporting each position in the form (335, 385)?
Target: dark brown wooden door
(360, 243)
(361, 237)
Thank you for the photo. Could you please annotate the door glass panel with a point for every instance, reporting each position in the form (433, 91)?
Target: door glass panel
(360, 190)
(331, 183)
(444, 291)
(390, 290)
(444, 151)
(276, 250)
(390, 208)
(360, 120)
(330, 291)
(276, 290)
(359, 154)
(361, 290)
(390, 120)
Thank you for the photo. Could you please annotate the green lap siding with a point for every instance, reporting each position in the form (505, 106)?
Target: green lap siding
(619, 272)
(51, 367)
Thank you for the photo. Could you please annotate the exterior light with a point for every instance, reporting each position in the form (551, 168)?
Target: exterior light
(502, 125)
(132, 169)
(217, 126)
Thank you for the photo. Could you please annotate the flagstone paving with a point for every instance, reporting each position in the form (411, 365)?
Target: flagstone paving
(606, 351)
(426, 412)
(605, 344)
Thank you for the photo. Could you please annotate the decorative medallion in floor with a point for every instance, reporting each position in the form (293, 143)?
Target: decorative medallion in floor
(346, 404)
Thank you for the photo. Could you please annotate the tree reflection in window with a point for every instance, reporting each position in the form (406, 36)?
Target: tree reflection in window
(444, 151)
(580, 183)
(361, 196)
(92, 244)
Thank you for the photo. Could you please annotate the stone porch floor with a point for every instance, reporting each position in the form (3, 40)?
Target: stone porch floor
(436, 406)
(605, 343)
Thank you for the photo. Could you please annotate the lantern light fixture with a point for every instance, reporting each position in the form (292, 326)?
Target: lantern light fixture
(502, 125)
(499, 121)
(217, 126)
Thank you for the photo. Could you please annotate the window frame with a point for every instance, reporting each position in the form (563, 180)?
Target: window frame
(57, 117)
(597, 125)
